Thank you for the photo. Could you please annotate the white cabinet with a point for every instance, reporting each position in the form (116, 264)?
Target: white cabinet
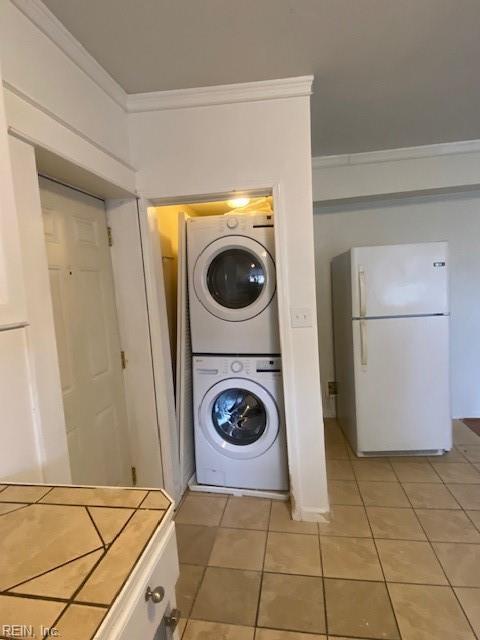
(12, 298)
(145, 606)
(19, 458)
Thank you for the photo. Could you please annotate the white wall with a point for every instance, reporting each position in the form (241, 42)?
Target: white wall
(54, 103)
(249, 145)
(455, 218)
(454, 165)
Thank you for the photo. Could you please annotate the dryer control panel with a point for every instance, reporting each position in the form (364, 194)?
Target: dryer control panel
(268, 365)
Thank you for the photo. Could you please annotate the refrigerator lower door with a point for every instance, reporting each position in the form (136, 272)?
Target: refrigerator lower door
(402, 384)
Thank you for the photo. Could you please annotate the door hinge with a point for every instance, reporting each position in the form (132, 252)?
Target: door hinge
(123, 359)
(109, 236)
(332, 388)
(134, 476)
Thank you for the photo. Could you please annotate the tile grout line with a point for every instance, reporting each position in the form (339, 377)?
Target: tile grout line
(378, 555)
(450, 586)
(205, 567)
(430, 543)
(322, 564)
(60, 566)
(357, 484)
(263, 569)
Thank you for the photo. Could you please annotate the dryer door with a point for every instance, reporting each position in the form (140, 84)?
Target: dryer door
(239, 418)
(234, 278)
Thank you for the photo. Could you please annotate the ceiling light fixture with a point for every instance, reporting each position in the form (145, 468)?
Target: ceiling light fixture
(235, 203)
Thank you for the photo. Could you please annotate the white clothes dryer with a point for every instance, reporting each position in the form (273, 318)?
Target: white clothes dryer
(232, 284)
(239, 422)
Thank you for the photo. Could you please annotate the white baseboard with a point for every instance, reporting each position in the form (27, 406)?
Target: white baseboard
(310, 514)
(254, 493)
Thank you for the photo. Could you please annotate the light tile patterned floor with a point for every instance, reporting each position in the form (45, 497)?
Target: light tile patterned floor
(400, 558)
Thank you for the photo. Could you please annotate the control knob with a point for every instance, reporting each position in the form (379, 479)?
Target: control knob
(236, 366)
(232, 222)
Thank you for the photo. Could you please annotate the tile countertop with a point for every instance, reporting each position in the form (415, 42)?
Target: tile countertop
(66, 553)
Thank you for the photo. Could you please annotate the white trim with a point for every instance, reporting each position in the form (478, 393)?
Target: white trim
(232, 491)
(49, 415)
(154, 279)
(41, 16)
(33, 103)
(392, 155)
(220, 94)
(48, 24)
(160, 348)
(309, 514)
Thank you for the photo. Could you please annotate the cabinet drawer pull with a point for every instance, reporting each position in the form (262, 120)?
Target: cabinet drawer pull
(173, 619)
(156, 595)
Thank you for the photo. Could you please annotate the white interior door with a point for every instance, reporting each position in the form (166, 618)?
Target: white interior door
(400, 280)
(402, 384)
(87, 335)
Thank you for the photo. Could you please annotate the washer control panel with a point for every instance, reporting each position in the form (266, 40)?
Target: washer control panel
(236, 366)
(242, 366)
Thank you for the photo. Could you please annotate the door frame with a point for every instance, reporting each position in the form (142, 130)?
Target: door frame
(49, 418)
(160, 339)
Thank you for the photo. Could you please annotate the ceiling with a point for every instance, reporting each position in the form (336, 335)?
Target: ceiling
(388, 73)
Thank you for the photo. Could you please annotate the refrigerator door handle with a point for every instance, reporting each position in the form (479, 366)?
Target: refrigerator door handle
(363, 343)
(361, 292)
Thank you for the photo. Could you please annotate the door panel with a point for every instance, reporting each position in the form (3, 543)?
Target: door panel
(96, 324)
(87, 335)
(59, 312)
(402, 389)
(404, 279)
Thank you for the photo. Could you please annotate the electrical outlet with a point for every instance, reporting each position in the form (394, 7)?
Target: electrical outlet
(301, 317)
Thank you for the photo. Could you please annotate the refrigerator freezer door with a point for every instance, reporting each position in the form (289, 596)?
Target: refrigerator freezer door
(400, 280)
(402, 384)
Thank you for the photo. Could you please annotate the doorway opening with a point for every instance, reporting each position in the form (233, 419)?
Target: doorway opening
(226, 283)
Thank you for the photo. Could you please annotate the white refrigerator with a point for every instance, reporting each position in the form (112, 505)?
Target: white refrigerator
(391, 339)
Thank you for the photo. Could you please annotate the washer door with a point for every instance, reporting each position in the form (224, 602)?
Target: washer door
(239, 418)
(234, 278)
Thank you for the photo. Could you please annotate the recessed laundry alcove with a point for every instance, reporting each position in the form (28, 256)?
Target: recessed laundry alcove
(171, 221)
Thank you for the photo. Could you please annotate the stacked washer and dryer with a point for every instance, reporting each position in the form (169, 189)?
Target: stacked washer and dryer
(239, 423)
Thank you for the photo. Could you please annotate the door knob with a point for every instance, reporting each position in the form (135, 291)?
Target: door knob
(156, 595)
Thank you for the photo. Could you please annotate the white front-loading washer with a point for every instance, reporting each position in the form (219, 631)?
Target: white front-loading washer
(232, 284)
(239, 422)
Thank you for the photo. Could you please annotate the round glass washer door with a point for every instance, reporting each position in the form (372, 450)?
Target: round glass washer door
(239, 418)
(234, 278)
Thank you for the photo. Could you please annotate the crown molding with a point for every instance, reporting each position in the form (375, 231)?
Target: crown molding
(394, 155)
(50, 26)
(220, 94)
(39, 14)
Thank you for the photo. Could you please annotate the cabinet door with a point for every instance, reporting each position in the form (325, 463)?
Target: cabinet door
(12, 299)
